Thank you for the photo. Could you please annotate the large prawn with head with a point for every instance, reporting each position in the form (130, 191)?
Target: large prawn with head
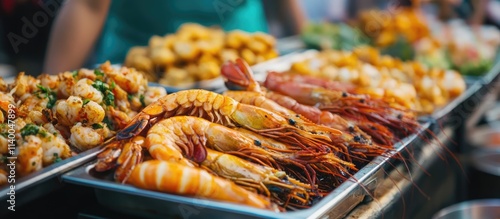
(185, 140)
(229, 112)
(239, 76)
(302, 145)
(384, 123)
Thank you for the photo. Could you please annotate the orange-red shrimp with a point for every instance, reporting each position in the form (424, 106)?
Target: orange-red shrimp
(354, 107)
(175, 178)
(229, 112)
(239, 75)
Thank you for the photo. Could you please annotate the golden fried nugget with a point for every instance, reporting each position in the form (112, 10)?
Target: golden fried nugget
(208, 70)
(156, 41)
(257, 47)
(229, 55)
(248, 56)
(186, 50)
(269, 40)
(162, 56)
(237, 39)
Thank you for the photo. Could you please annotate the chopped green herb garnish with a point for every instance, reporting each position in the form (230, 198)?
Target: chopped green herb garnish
(42, 133)
(109, 97)
(99, 85)
(113, 85)
(56, 158)
(141, 98)
(33, 163)
(98, 72)
(75, 73)
(5, 134)
(108, 123)
(85, 101)
(97, 126)
(130, 97)
(46, 93)
(29, 129)
(3, 159)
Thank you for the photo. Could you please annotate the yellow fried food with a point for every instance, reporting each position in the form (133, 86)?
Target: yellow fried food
(162, 56)
(186, 50)
(192, 46)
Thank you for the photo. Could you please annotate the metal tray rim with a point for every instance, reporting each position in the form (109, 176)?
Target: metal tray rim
(79, 176)
(50, 171)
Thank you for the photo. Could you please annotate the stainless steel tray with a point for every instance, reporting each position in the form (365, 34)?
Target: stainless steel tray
(144, 203)
(44, 181)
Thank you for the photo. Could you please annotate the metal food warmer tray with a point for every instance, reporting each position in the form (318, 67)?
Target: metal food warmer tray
(44, 181)
(389, 186)
(145, 203)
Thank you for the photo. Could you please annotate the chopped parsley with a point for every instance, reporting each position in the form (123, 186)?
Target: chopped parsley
(85, 101)
(113, 85)
(109, 97)
(45, 92)
(98, 72)
(56, 158)
(99, 85)
(29, 129)
(3, 159)
(97, 126)
(108, 123)
(141, 98)
(42, 133)
(130, 97)
(75, 73)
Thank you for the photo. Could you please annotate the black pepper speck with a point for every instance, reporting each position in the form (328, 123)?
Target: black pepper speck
(351, 129)
(357, 138)
(257, 143)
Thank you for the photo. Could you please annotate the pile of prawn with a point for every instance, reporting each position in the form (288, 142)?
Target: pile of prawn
(262, 146)
(57, 116)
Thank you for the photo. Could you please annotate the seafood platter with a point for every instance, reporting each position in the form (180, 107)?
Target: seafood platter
(185, 128)
(290, 184)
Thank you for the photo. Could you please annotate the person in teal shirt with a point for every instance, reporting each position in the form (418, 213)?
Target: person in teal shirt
(93, 31)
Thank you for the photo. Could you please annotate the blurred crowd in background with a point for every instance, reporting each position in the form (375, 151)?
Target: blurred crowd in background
(25, 25)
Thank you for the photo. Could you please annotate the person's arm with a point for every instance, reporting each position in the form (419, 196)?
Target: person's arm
(299, 18)
(479, 14)
(74, 34)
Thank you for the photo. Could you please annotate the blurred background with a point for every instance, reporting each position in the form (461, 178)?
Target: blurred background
(26, 24)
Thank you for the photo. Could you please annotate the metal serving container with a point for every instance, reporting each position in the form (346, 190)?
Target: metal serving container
(144, 203)
(483, 209)
(383, 188)
(44, 181)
